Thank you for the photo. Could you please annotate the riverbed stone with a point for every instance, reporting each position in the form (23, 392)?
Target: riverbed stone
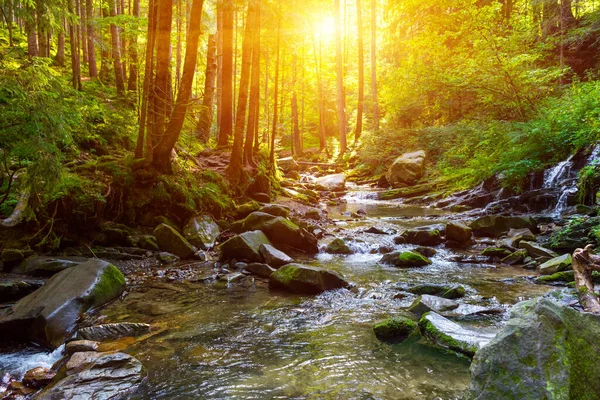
(202, 231)
(281, 231)
(76, 346)
(556, 264)
(421, 237)
(395, 329)
(498, 225)
(274, 257)
(406, 259)
(47, 266)
(516, 257)
(12, 255)
(517, 235)
(440, 290)
(332, 183)
(425, 251)
(545, 351)
(245, 246)
(113, 331)
(450, 335)
(406, 169)
(38, 377)
(458, 232)
(496, 252)
(92, 375)
(338, 246)
(148, 242)
(302, 279)
(536, 251)
(426, 303)
(260, 269)
(15, 289)
(170, 240)
(275, 210)
(50, 314)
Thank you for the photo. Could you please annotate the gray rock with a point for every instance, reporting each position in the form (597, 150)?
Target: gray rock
(338, 246)
(50, 314)
(258, 269)
(167, 258)
(332, 183)
(302, 279)
(545, 351)
(536, 251)
(275, 258)
(450, 335)
(426, 303)
(47, 266)
(106, 332)
(458, 232)
(202, 231)
(517, 235)
(498, 225)
(244, 247)
(170, 240)
(276, 210)
(38, 377)
(98, 376)
(76, 346)
(406, 169)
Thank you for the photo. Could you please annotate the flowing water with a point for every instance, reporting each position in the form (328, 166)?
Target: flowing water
(237, 340)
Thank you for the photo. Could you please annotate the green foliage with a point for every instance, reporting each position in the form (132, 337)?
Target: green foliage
(588, 184)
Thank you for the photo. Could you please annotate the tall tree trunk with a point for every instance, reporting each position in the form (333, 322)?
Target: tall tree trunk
(145, 128)
(81, 8)
(162, 86)
(296, 129)
(162, 154)
(374, 65)
(133, 52)
(60, 49)
(226, 122)
(254, 106)
(30, 29)
(42, 36)
(235, 168)
(341, 112)
(275, 95)
(75, 65)
(178, 48)
(206, 112)
(318, 58)
(104, 52)
(123, 45)
(361, 72)
(91, 37)
(8, 16)
(219, 65)
(116, 50)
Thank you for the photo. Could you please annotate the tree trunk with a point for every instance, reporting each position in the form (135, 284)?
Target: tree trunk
(226, 122)
(361, 72)
(374, 65)
(81, 8)
(60, 49)
(9, 16)
(162, 86)
(178, 48)
(254, 107)
(75, 65)
(219, 67)
(318, 58)
(116, 51)
(584, 264)
(296, 129)
(206, 112)
(42, 36)
(30, 25)
(162, 154)
(235, 168)
(145, 122)
(104, 52)
(275, 95)
(91, 37)
(133, 52)
(123, 45)
(341, 112)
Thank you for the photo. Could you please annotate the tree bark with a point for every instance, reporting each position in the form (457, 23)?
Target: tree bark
(42, 36)
(275, 95)
(60, 49)
(584, 264)
(374, 65)
(235, 168)
(219, 66)
(162, 86)
(104, 52)
(133, 52)
(254, 107)
(30, 29)
(361, 72)
(206, 111)
(116, 49)
(162, 154)
(91, 37)
(341, 101)
(75, 65)
(226, 122)
(296, 128)
(82, 10)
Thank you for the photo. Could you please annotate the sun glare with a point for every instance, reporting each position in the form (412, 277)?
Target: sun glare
(325, 27)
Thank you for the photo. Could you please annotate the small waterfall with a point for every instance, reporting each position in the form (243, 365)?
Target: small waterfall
(554, 175)
(22, 361)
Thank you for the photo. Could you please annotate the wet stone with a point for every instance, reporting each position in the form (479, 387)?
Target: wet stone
(113, 331)
(77, 346)
(38, 377)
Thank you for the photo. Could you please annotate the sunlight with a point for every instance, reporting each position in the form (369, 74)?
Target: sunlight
(325, 28)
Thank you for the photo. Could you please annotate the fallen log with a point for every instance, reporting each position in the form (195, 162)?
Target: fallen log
(584, 264)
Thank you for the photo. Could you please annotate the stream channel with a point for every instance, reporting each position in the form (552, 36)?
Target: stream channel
(223, 340)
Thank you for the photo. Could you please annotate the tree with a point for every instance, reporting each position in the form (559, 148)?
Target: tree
(341, 101)
(133, 52)
(116, 49)
(275, 95)
(374, 99)
(30, 29)
(91, 37)
(254, 102)
(226, 121)
(361, 72)
(75, 63)
(206, 110)
(162, 83)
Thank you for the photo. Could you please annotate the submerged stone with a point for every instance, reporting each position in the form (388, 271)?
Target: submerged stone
(105, 332)
(395, 329)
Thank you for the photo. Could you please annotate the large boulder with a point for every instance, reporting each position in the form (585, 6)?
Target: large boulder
(556, 264)
(202, 231)
(450, 335)
(46, 266)
(517, 235)
(92, 375)
(338, 246)
(498, 225)
(302, 279)
(244, 247)
(281, 231)
(545, 351)
(458, 232)
(440, 290)
(49, 315)
(406, 169)
(171, 241)
(332, 183)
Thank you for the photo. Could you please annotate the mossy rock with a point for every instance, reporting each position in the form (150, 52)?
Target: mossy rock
(518, 257)
(555, 265)
(148, 242)
(395, 329)
(338, 246)
(444, 291)
(406, 259)
(302, 279)
(421, 237)
(245, 246)
(246, 209)
(498, 225)
(498, 252)
(458, 232)
(168, 239)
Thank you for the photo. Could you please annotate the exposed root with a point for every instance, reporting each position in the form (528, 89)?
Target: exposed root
(18, 213)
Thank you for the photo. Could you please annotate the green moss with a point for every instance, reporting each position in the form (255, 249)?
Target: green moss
(444, 340)
(286, 274)
(496, 252)
(412, 259)
(111, 281)
(395, 329)
(338, 246)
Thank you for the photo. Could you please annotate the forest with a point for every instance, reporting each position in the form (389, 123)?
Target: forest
(276, 199)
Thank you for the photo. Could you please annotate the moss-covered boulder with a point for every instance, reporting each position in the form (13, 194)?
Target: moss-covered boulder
(498, 225)
(49, 315)
(545, 351)
(514, 258)
(452, 336)
(498, 252)
(458, 232)
(302, 279)
(275, 210)
(243, 210)
(12, 255)
(338, 246)
(537, 251)
(576, 234)
(556, 264)
(148, 242)
(420, 237)
(281, 231)
(444, 291)
(395, 329)
(406, 169)
(406, 259)
(169, 240)
(244, 247)
(202, 231)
